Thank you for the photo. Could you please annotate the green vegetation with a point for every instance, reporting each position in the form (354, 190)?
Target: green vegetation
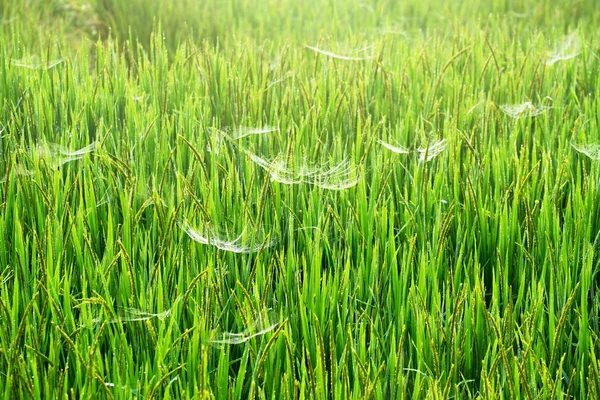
(288, 199)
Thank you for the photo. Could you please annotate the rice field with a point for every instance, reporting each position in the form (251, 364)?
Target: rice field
(268, 199)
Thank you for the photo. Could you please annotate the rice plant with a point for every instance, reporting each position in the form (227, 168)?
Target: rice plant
(309, 200)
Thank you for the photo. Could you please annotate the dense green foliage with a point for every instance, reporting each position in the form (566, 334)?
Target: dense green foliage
(363, 273)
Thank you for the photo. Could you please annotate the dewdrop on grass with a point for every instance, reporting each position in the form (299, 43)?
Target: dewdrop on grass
(522, 110)
(568, 48)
